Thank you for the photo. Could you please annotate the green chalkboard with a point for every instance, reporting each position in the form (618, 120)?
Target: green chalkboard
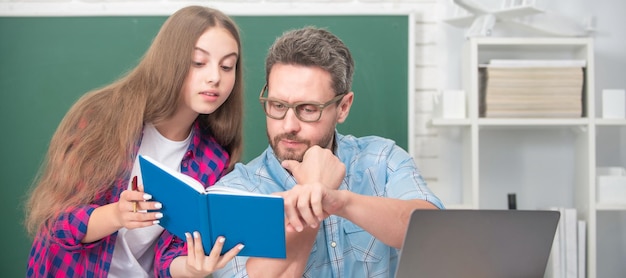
(46, 63)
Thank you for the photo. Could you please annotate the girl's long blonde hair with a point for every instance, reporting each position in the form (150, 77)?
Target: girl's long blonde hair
(95, 141)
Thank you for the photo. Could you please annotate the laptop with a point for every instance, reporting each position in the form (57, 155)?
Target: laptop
(477, 243)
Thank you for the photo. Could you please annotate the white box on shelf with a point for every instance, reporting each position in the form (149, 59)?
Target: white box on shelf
(613, 104)
(611, 190)
(451, 104)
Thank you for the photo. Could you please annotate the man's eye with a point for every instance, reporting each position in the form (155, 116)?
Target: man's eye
(308, 108)
(278, 105)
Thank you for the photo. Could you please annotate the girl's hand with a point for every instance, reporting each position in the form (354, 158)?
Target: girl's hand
(200, 265)
(133, 208)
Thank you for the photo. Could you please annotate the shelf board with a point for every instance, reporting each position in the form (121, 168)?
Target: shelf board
(611, 122)
(532, 122)
(450, 122)
(524, 41)
(508, 122)
(610, 207)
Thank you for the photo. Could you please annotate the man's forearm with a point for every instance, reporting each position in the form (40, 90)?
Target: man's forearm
(384, 218)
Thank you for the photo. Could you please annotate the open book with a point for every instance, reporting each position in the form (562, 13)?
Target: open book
(255, 220)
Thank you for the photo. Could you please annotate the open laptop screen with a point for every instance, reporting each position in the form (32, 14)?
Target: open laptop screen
(477, 243)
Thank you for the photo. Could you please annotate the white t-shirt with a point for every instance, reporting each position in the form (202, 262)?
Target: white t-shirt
(133, 255)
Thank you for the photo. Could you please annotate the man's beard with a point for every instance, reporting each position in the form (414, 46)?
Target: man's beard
(292, 154)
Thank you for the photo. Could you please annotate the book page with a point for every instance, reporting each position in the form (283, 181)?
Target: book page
(220, 189)
(193, 183)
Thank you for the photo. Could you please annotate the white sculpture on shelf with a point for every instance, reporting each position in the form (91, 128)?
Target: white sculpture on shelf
(482, 18)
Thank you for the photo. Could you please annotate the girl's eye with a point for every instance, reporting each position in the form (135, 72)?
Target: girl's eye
(227, 68)
(197, 64)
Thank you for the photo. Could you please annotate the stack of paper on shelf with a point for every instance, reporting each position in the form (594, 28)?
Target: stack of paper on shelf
(532, 89)
(569, 252)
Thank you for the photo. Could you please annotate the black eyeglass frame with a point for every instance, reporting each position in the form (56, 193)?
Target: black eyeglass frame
(321, 106)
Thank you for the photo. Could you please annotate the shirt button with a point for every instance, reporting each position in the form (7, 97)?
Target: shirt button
(333, 244)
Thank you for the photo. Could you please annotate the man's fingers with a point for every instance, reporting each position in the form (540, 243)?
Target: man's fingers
(316, 205)
(290, 165)
(292, 214)
(305, 210)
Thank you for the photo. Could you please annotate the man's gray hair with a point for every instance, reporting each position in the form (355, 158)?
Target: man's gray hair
(311, 46)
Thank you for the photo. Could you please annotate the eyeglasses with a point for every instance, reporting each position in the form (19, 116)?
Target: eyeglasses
(305, 111)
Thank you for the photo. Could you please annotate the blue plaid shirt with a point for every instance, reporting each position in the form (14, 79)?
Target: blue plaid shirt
(374, 167)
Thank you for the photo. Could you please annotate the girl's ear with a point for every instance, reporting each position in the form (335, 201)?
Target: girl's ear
(344, 107)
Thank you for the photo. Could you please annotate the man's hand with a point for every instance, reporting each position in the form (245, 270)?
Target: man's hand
(309, 204)
(318, 165)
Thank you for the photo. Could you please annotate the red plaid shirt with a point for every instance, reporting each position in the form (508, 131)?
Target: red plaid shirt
(59, 253)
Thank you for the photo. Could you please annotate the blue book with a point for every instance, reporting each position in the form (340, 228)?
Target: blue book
(255, 220)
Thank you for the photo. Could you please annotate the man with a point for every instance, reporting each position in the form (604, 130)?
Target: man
(347, 200)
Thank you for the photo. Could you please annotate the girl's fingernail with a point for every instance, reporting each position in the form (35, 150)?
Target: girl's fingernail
(159, 215)
(156, 222)
(240, 246)
(188, 235)
(196, 234)
(158, 205)
(147, 196)
(222, 239)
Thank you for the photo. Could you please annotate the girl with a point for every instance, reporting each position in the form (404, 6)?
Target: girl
(181, 105)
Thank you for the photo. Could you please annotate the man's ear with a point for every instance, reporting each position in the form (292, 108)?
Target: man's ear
(344, 107)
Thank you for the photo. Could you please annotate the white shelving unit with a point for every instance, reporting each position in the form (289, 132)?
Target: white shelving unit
(545, 162)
